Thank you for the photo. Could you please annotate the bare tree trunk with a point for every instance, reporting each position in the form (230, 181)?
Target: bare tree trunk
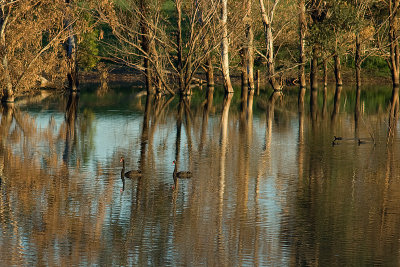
(178, 5)
(394, 44)
(245, 84)
(314, 69)
(258, 82)
(71, 48)
(250, 45)
(8, 92)
(302, 35)
(209, 69)
(225, 48)
(145, 32)
(325, 63)
(267, 19)
(358, 61)
(338, 72)
(244, 95)
(325, 102)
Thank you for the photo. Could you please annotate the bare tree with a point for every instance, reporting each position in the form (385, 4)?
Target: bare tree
(225, 47)
(170, 58)
(267, 19)
(302, 36)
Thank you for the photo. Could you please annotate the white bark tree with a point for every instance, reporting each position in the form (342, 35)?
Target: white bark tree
(267, 15)
(225, 47)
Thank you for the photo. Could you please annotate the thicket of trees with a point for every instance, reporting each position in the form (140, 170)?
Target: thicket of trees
(179, 43)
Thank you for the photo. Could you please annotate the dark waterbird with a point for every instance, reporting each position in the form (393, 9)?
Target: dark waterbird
(182, 174)
(335, 138)
(129, 174)
(360, 142)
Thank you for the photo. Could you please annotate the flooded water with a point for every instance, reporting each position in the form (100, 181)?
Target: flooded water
(268, 185)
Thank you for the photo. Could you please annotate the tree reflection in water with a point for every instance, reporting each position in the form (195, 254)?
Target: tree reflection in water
(268, 187)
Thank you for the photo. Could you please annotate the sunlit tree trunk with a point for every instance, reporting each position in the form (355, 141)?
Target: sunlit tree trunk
(8, 92)
(225, 48)
(267, 18)
(358, 61)
(209, 68)
(250, 44)
(245, 85)
(302, 36)
(71, 47)
(394, 43)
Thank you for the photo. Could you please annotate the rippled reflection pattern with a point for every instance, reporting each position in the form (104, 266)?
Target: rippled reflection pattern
(270, 185)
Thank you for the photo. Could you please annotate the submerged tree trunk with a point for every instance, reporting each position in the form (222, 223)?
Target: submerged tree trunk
(225, 48)
(267, 19)
(314, 69)
(325, 64)
(302, 36)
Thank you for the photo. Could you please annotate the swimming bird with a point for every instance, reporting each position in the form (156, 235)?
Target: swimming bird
(337, 138)
(129, 174)
(181, 174)
(361, 142)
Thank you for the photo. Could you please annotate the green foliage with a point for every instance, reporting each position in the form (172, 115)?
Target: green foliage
(89, 50)
(377, 65)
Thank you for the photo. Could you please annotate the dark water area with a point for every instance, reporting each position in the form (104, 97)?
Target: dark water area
(269, 187)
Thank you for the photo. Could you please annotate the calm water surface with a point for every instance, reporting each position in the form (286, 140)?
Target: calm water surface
(268, 186)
